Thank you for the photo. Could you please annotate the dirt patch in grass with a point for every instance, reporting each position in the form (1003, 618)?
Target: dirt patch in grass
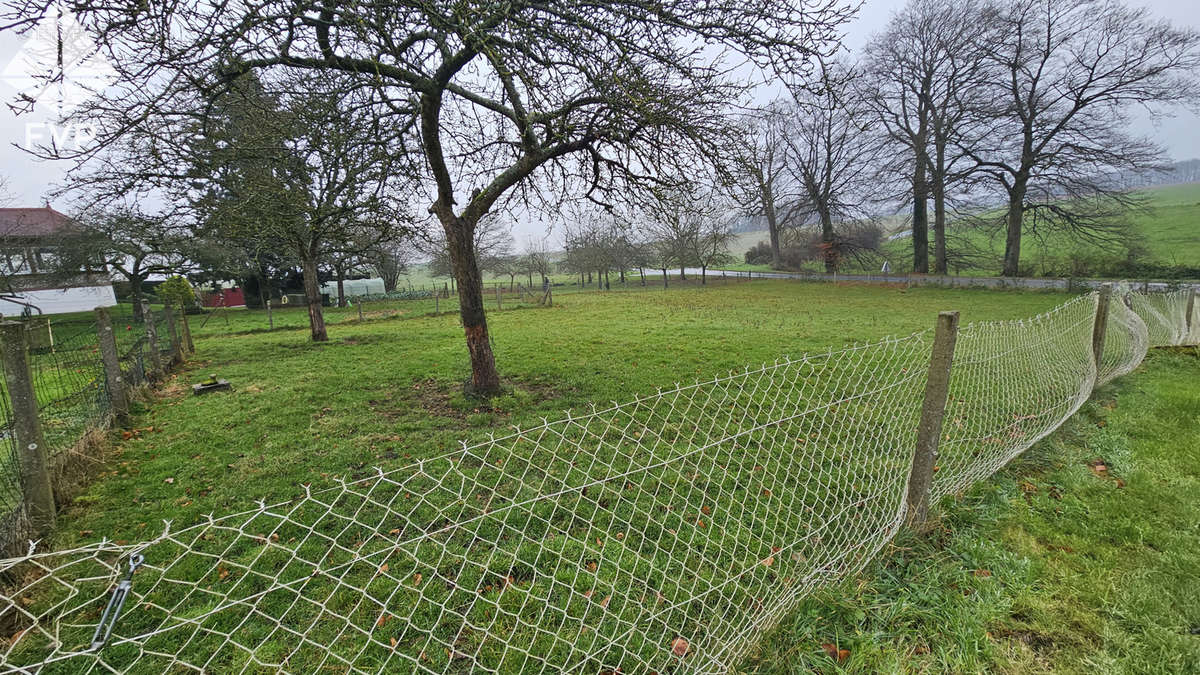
(446, 399)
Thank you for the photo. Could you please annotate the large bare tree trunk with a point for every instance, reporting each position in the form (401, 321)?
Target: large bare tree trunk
(940, 263)
(920, 221)
(312, 293)
(341, 286)
(1014, 222)
(827, 241)
(460, 236)
(135, 295)
(772, 229)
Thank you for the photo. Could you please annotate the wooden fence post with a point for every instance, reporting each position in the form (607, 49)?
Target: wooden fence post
(933, 410)
(187, 333)
(1191, 307)
(270, 316)
(437, 303)
(497, 297)
(173, 331)
(1100, 327)
(117, 396)
(358, 302)
(27, 428)
(152, 338)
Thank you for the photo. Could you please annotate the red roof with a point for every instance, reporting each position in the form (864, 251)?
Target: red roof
(33, 222)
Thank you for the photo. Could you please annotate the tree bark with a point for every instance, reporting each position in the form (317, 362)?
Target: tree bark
(940, 264)
(460, 237)
(772, 228)
(135, 294)
(703, 275)
(341, 286)
(682, 273)
(920, 221)
(665, 279)
(1014, 223)
(312, 293)
(827, 241)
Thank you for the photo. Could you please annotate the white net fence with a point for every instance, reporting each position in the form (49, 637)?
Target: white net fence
(665, 534)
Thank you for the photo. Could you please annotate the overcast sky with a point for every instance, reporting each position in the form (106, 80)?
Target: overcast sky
(28, 179)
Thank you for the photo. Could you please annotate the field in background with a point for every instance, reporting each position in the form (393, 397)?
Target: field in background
(1170, 232)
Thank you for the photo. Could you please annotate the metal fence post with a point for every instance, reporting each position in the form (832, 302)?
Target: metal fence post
(27, 427)
(187, 333)
(1100, 327)
(117, 396)
(933, 410)
(173, 331)
(152, 338)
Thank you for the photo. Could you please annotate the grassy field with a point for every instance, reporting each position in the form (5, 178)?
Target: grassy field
(1170, 231)
(386, 392)
(1082, 556)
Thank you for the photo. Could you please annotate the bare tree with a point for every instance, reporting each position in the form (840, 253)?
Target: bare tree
(923, 76)
(756, 175)
(536, 260)
(131, 243)
(831, 155)
(306, 170)
(390, 260)
(488, 95)
(1064, 76)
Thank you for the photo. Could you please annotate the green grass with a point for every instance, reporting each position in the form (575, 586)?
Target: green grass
(1057, 564)
(1170, 231)
(386, 392)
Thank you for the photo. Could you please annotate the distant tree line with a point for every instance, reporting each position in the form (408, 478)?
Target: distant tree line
(1010, 115)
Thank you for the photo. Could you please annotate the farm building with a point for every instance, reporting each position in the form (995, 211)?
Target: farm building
(27, 254)
(354, 287)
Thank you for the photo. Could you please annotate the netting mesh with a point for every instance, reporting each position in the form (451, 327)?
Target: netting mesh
(663, 534)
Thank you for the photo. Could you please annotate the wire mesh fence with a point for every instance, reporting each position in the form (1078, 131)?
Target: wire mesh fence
(73, 399)
(665, 534)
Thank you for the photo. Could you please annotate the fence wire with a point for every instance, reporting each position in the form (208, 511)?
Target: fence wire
(665, 534)
(72, 398)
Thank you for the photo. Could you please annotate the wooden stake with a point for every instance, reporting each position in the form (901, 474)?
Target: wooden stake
(933, 411)
(117, 397)
(27, 428)
(1100, 327)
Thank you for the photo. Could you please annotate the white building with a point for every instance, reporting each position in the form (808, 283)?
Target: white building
(27, 248)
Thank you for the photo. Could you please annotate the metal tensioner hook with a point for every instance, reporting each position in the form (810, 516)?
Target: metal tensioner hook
(115, 603)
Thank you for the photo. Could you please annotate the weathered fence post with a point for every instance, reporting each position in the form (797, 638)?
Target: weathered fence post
(358, 303)
(27, 427)
(187, 333)
(270, 316)
(173, 331)
(152, 338)
(1191, 307)
(933, 410)
(497, 297)
(1100, 327)
(117, 396)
